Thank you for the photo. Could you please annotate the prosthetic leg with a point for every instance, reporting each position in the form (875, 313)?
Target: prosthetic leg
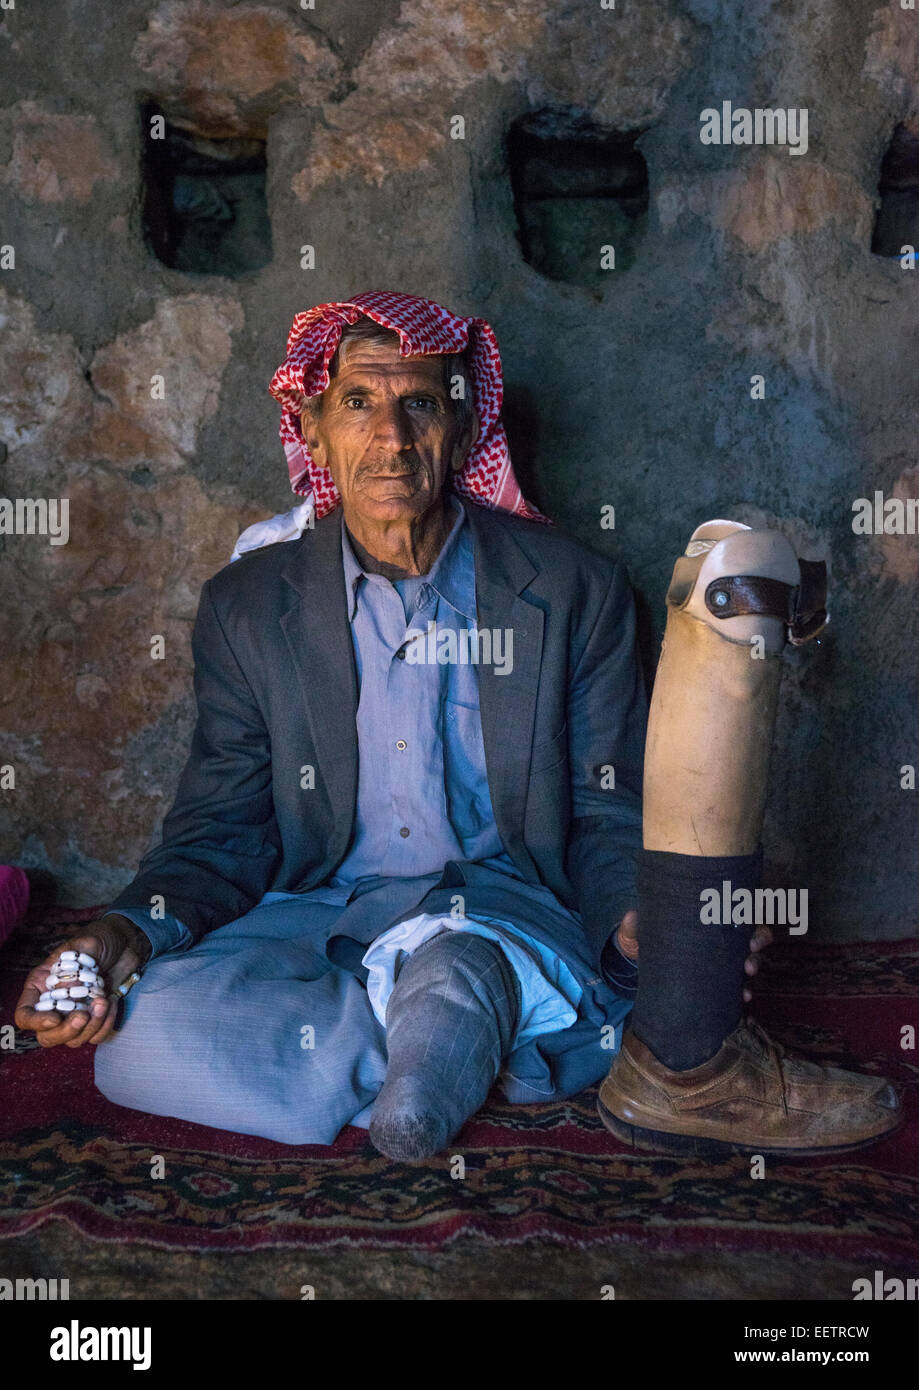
(693, 1076)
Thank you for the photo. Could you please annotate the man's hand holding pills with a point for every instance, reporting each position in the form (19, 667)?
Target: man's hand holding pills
(72, 997)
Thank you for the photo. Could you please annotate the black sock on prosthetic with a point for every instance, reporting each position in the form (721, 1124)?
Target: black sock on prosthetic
(690, 974)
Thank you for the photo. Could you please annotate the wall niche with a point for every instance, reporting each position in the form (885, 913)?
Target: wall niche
(204, 209)
(577, 189)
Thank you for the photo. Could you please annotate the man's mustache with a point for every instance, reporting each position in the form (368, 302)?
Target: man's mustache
(392, 467)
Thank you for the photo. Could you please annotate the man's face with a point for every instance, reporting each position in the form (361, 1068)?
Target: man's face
(386, 433)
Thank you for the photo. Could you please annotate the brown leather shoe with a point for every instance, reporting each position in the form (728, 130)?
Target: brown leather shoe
(750, 1097)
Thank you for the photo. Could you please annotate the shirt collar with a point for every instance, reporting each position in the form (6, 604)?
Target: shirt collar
(452, 575)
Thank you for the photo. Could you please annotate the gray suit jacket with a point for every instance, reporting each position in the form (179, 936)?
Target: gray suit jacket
(277, 694)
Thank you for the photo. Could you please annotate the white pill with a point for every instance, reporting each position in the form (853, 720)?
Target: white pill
(84, 959)
(59, 993)
(44, 1005)
(88, 977)
(64, 1006)
(96, 992)
(46, 994)
(51, 981)
(69, 955)
(79, 991)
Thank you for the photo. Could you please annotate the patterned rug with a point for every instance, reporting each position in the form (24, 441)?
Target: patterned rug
(541, 1171)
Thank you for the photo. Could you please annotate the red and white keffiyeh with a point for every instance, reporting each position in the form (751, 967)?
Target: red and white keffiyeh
(423, 327)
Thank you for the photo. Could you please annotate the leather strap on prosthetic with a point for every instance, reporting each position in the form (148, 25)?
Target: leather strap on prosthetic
(736, 597)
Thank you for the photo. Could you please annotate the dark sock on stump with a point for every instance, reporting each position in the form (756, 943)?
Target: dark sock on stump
(450, 1021)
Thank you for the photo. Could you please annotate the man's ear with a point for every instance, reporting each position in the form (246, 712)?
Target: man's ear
(310, 433)
(465, 442)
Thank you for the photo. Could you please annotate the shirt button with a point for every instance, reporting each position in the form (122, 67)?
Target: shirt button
(401, 653)
(405, 832)
(401, 744)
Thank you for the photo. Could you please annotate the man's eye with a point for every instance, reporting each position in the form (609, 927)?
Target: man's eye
(354, 400)
(426, 401)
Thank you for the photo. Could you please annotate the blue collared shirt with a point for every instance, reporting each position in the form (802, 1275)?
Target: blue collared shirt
(423, 795)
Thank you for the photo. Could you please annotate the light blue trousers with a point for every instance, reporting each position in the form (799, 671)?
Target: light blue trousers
(254, 1030)
(251, 1030)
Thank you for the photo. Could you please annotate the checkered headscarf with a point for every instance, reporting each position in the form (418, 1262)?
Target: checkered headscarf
(423, 327)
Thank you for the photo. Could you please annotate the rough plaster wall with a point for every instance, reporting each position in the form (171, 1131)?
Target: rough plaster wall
(636, 393)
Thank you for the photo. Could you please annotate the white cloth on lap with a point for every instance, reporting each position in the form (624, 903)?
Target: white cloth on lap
(549, 992)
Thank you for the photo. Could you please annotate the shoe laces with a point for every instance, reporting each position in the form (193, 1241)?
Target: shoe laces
(772, 1049)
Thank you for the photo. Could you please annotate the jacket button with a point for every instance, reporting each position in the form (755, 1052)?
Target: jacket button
(405, 832)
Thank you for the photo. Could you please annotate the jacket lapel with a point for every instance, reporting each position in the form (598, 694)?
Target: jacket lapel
(319, 636)
(507, 702)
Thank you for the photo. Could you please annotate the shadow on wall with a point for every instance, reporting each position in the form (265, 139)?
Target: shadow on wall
(523, 427)
(897, 224)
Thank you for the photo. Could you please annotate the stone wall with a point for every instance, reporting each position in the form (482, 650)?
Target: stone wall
(628, 386)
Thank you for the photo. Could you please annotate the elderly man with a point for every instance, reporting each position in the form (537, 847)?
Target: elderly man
(401, 861)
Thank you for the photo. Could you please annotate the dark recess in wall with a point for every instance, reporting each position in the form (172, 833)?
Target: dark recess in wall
(203, 200)
(897, 221)
(577, 188)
